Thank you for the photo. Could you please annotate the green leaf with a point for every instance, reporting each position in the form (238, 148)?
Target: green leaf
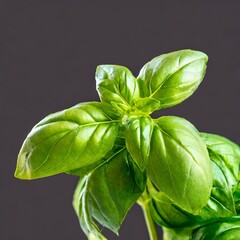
(118, 144)
(109, 192)
(177, 233)
(179, 164)
(138, 139)
(78, 137)
(171, 78)
(236, 196)
(220, 205)
(167, 214)
(147, 105)
(117, 86)
(83, 211)
(226, 154)
(227, 230)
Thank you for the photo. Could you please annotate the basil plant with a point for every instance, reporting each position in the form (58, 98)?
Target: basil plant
(186, 181)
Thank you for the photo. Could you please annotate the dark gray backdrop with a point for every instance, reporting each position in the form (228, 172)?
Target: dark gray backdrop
(51, 50)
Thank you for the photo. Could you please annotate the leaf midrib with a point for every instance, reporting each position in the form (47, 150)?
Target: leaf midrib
(152, 95)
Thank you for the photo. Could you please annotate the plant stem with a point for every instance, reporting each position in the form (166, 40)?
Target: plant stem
(144, 203)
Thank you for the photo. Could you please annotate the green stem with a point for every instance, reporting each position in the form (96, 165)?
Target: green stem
(144, 203)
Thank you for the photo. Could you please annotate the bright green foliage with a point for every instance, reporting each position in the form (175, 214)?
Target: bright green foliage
(77, 137)
(83, 211)
(138, 138)
(177, 233)
(115, 147)
(236, 196)
(221, 202)
(108, 192)
(226, 154)
(223, 230)
(177, 172)
(117, 86)
(172, 78)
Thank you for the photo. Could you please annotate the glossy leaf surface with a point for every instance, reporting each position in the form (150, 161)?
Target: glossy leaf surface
(83, 211)
(117, 86)
(110, 192)
(228, 230)
(220, 205)
(138, 139)
(177, 233)
(78, 137)
(179, 164)
(226, 154)
(193, 185)
(119, 144)
(171, 78)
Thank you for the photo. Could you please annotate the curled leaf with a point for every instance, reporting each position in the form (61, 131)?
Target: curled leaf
(108, 193)
(116, 86)
(222, 230)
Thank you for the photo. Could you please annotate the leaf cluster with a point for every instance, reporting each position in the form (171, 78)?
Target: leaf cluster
(120, 152)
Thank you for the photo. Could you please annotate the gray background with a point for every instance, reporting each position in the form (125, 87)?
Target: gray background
(51, 50)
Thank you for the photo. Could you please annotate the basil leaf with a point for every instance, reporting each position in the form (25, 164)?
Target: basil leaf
(236, 196)
(179, 164)
(138, 138)
(227, 230)
(117, 86)
(83, 211)
(171, 78)
(146, 105)
(118, 144)
(78, 137)
(177, 233)
(167, 214)
(220, 205)
(226, 154)
(110, 192)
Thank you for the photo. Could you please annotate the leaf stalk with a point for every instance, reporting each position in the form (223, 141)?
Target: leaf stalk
(144, 201)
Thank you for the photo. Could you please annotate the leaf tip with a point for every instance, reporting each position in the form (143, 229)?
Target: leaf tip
(202, 55)
(22, 171)
(21, 175)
